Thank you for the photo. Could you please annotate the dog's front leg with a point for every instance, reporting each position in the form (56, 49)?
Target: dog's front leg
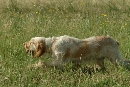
(44, 64)
(57, 61)
(52, 64)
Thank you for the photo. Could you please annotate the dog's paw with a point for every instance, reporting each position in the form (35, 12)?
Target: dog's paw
(37, 65)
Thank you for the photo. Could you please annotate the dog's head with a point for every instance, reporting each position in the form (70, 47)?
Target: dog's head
(35, 47)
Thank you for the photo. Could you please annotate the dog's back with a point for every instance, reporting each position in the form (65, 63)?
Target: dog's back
(86, 49)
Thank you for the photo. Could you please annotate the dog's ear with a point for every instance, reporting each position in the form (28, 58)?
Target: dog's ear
(40, 49)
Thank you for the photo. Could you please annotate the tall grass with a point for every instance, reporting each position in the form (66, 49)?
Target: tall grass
(21, 20)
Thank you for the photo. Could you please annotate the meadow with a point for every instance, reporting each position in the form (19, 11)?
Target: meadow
(21, 20)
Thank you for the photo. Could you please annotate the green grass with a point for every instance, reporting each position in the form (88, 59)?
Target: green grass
(20, 21)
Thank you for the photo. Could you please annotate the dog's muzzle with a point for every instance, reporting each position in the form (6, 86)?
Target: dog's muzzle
(30, 52)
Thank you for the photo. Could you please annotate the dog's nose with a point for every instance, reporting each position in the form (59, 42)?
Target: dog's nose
(27, 51)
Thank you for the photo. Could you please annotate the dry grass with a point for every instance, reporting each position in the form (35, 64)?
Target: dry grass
(65, 4)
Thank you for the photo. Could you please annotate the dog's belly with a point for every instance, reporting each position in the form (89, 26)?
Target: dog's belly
(82, 59)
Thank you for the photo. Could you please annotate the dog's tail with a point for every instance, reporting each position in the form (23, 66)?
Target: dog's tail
(126, 64)
(117, 43)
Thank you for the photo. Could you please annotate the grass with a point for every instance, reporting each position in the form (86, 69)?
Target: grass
(22, 20)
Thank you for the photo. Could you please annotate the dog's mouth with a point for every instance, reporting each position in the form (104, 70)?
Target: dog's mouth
(31, 52)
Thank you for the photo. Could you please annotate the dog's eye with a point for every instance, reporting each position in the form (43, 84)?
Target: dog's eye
(31, 43)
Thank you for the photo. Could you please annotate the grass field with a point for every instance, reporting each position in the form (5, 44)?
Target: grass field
(21, 20)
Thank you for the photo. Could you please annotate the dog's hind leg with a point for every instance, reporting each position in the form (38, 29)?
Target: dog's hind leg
(100, 62)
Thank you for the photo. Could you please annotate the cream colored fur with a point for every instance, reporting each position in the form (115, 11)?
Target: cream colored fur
(66, 48)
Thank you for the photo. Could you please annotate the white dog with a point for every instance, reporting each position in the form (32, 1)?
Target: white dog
(66, 48)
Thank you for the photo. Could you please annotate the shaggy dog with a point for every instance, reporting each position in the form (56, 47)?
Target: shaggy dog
(66, 48)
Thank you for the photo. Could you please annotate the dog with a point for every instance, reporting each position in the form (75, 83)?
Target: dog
(66, 48)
